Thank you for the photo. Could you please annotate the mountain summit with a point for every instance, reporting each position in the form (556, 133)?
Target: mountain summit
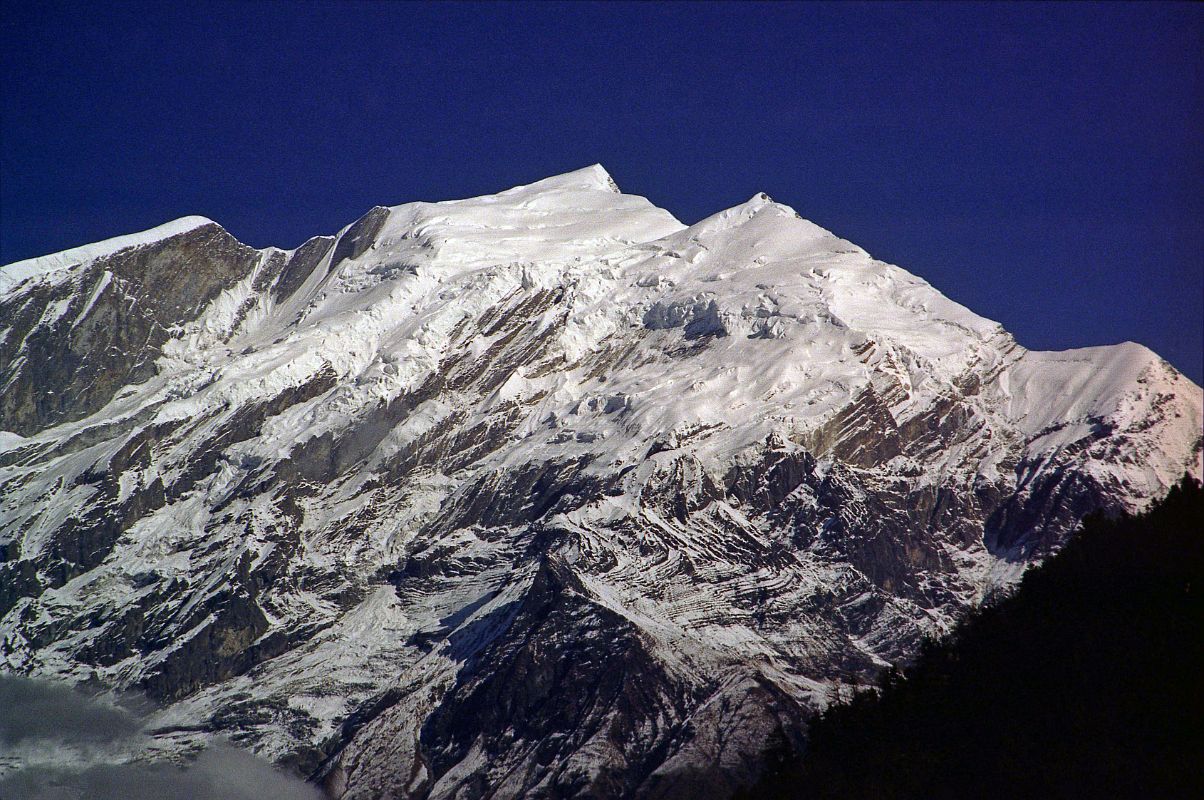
(536, 494)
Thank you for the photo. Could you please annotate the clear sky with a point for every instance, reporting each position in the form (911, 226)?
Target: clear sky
(1040, 163)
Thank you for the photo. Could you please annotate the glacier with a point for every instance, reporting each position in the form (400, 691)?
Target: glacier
(537, 494)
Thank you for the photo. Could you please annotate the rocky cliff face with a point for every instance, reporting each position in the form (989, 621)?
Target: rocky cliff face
(539, 494)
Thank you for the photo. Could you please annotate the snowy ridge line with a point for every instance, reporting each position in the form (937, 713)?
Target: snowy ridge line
(541, 491)
(18, 272)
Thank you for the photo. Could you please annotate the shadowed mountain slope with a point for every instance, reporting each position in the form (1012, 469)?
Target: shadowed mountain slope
(1084, 683)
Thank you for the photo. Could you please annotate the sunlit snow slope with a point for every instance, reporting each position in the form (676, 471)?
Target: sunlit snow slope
(537, 494)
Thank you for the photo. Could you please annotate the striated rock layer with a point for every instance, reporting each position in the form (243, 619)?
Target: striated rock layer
(538, 494)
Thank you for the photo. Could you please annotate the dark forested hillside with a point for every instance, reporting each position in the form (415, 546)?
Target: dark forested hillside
(1087, 682)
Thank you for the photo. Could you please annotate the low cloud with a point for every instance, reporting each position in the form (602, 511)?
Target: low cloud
(58, 744)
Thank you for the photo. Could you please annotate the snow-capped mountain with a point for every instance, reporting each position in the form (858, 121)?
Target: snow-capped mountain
(537, 494)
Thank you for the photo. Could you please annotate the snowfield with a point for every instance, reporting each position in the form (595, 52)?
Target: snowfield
(535, 494)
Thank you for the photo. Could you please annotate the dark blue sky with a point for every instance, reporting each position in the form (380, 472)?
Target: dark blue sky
(1041, 164)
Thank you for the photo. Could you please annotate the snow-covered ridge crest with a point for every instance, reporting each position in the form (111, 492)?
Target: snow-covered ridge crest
(535, 489)
(591, 178)
(11, 275)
